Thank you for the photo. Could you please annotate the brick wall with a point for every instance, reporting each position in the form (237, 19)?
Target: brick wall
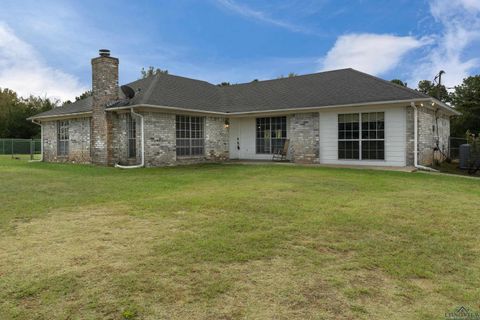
(79, 143)
(104, 90)
(304, 137)
(159, 139)
(428, 123)
(410, 143)
(216, 139)
(427, 134)
(119, 140)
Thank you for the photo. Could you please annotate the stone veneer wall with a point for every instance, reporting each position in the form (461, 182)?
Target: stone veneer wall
(119, 134)
(79, 144)
(304, 137)
(159, 134)
(104, 90)
(216, 139)
(160, 140)
(427, 135)
(410, 143)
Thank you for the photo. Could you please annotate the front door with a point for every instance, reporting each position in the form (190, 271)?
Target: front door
(242, 138)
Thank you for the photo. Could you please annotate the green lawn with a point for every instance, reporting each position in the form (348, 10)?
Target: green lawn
(235, 242)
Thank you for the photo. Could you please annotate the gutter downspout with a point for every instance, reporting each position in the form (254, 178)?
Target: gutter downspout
(41, 142)
(415, 139)
(142, 154)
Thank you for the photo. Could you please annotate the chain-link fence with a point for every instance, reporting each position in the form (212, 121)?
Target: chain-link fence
(454, 147)
(15, 147)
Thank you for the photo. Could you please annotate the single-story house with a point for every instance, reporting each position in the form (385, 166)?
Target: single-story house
(335, 117)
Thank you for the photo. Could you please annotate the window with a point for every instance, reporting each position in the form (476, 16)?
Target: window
(271, 134)
(361, 136)
(62, 138)
(348, 136)
(190, 136)
(131, 136)
(373, 136)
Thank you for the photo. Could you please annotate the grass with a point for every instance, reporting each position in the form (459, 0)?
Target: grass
(234, 242)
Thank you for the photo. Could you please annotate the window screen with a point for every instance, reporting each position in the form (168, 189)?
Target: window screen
(131, 136)
(271, 134)
(348, 136)
(190, 136)
(62, 138)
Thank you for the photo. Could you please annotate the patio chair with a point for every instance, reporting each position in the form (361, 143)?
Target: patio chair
(281, 154)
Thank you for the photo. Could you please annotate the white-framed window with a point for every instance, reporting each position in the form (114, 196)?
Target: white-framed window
(62, 138)
(271, 134)
(190, 136)
(361, 136)
(131, 136)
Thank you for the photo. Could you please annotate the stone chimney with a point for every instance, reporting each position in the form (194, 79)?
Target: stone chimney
(104, 90)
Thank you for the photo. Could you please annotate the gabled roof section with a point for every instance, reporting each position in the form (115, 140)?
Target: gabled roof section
(174, 91)
(77, 107)
(324, 89)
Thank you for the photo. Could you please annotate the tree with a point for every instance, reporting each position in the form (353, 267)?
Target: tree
(8, 104)
(399, 82)
(223, 84)
(466, 99)
(84, 95)
(290, 75)
(15, 110)
(151, 71)
(433, 90)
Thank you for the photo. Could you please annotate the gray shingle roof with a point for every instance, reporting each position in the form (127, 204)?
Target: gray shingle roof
(80, 106)
(338, 87)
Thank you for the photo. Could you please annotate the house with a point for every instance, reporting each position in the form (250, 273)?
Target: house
(334, 117)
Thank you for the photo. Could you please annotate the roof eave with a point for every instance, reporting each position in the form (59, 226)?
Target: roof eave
(304, 109)
(446, 107)
(64, 115)
(144, 105)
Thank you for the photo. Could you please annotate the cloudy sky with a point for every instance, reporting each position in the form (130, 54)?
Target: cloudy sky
(46, 46)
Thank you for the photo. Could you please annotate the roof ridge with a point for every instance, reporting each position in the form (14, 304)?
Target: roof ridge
(182, 77)
(286, 78)
(410, 90)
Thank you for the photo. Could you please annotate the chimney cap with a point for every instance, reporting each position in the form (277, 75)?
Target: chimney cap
(104, 53)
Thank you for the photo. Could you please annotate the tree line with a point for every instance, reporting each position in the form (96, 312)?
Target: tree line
(14, 111)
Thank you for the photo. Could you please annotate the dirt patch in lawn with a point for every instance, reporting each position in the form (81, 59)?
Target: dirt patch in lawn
(69, 263)
(105, 262)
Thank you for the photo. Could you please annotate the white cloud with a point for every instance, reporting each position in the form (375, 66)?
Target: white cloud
(22, 70)
(261, 16)
(371, 53)
(460, 20)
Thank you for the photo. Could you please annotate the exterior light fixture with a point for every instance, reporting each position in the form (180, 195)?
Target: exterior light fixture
(226, 124)
(421, 104)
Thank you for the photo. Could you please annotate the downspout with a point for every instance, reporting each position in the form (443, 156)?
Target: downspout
(41, 142)
(142, 153)
(415, 139)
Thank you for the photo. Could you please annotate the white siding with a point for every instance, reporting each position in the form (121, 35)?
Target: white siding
(395, 136)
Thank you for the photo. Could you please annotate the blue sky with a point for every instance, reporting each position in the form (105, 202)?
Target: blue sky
(46, 46)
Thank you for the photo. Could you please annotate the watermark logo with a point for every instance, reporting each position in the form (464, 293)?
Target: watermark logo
(462, 313)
